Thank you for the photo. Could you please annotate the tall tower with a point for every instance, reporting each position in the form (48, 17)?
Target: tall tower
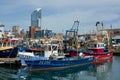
(36, 18)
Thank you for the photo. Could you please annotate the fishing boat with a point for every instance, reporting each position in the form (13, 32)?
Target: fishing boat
(50, 58)
(72, 45)
(7, 50)
(99, 51)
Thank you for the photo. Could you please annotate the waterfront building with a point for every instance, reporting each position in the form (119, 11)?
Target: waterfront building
(43, 33)
(33, 30)
(36, 18)
(16, 31)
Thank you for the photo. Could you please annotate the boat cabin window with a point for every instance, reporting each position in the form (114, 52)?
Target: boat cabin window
(92, 45)
(4, 44)
(54, 47)
(39, 53)
(95, 45)
(9, 44)
(49, 47)
(100, 45)
(0, 44)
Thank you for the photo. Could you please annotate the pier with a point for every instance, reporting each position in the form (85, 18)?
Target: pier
(10, 62)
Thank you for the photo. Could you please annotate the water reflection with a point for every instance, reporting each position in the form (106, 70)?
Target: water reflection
(8, 74)
(103, 71)
(88, 72)
(99, 71)
(23, 74)
(66, 74)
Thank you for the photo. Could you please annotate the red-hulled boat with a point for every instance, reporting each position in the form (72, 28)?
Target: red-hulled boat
(99, 51)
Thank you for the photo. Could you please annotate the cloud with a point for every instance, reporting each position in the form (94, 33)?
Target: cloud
(87, 19)
(59, 15)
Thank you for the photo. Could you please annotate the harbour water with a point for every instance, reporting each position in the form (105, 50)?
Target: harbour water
(109, 70)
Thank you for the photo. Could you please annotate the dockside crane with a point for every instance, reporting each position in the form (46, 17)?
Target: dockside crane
(71, 36)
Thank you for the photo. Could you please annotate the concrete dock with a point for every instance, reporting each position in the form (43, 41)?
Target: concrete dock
(10, 62)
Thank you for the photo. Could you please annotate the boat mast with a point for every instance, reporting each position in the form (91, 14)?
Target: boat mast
(72, 35)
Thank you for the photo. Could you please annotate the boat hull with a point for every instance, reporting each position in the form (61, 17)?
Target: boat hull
(97, 55)
(38, 64)
(100, 56)
(9, 53)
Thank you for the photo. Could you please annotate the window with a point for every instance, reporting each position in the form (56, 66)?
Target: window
(54, 47)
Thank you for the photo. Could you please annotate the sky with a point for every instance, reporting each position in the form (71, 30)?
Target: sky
(59, 15)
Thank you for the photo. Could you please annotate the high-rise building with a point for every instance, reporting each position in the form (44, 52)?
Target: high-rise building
(36, 18)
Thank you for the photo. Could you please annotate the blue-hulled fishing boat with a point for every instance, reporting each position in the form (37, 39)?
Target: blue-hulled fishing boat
(50, 58)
